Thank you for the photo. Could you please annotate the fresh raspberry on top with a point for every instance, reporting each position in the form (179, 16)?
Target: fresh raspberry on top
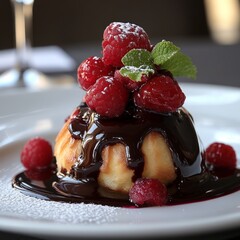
(130, 84)
(160, 94)
(36, 154)
(107, 97)
(119, 38)
(90, 70)
(221, 155)
(149, 192)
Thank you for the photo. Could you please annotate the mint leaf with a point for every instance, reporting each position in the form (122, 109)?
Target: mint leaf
(136, 73)
(138, 62)
(137, 58)
(180, 65)
(170, 58)
(163, 51)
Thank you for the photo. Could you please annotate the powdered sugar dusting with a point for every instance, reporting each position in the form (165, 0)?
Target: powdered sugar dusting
(17, 205)
(123, 30)
(119, 38)
(126, 28)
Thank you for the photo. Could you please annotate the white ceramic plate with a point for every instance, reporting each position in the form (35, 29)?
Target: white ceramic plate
(24, 114)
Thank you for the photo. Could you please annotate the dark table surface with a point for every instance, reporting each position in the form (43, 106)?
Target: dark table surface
(217, 64)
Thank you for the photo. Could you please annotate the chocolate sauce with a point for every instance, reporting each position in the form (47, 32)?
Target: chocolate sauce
(195, 181)
(66, 189)
(130, 129)
(204, 187)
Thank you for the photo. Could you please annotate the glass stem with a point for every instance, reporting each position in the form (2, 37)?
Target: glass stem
(23, 31)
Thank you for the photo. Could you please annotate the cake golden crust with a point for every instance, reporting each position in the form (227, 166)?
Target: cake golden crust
(66, 150)
(158, 160)
(114, 172)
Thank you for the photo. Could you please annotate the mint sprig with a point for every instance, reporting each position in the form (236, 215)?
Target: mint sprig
(136, 73)
(180, 65)
(137, 58)
(167, 56)
(163, 51)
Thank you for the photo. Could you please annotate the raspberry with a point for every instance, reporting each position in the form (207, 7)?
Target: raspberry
(119, 38)
(107, 97)
(149, 192)
(130, 84)
(36, 154)
(160, 94)
(221, 155)
(90, 70)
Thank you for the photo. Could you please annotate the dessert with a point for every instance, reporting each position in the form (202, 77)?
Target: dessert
(130, 140)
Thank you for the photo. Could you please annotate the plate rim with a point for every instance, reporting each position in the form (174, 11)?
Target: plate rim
(19, 225)
(123, 230)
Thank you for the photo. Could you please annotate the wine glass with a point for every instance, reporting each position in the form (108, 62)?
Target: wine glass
(23, 75)
(16, 76)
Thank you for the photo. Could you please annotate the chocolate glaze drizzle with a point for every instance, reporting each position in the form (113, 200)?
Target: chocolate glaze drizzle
(130, 129)
(195, 180)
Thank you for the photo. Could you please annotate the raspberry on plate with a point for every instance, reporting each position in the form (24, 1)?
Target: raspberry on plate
(90, 70)
(160, 94)
(221, 155)
(149, 192)
(107, 97)
(36, 154)
(119, 38)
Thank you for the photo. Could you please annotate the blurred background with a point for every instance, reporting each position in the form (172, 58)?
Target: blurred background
(206, 30)
(76, 21)
(202, 28)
